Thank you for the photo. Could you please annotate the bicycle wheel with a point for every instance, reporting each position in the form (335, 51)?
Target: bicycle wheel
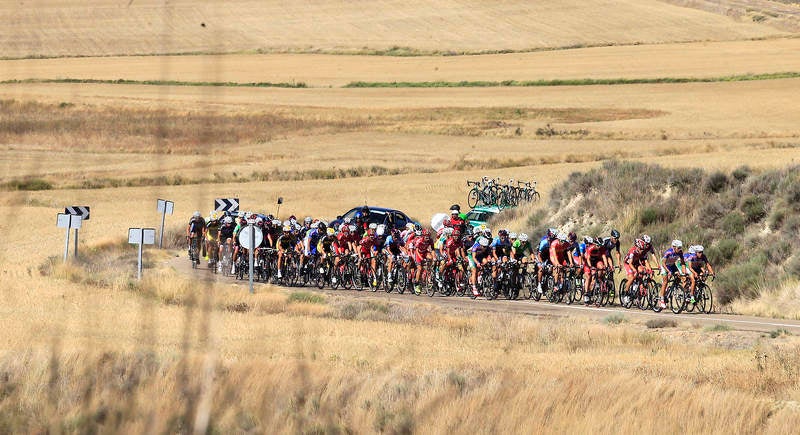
(535, 196)
(549, 287)
(705, 299)
(625, 299)
(473, 198)
(611, 289)
(677, 299)
(603, 295)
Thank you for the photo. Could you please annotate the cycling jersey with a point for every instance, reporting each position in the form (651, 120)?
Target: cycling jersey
(501, 247)
(578, 249)
(558, 252)
(671, 257)
(367, 244)
(393, 246)
(311, 240)
(695, 261)
(286, 241)
(196, 225)
(519, 249)
(226, 232)
(451, 247)
(611, 246)
(479, 252)
(325, 244)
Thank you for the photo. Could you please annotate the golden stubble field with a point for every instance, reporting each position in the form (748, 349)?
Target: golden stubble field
(86, 347)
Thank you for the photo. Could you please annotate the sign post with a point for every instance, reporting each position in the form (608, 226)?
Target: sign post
(68, 221)
(251, 236)
(165, 207)
(278, 211)
(81, 211)
(141, 237)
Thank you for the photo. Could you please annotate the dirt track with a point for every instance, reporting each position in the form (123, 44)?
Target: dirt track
(527, 307)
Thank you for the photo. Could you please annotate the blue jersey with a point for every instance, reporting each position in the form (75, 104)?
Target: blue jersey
(672, 256)
(578, 249)
(544, 245)
(502, 248)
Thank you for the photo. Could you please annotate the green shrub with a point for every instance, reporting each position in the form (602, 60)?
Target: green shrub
(740, 280)
(793, 266)
(28, 184)
(733, 224)
(779, 332)
(765, 183)
(741, 173)
(306, 298)
(615, 319)
(719, 327)
(753, 208)
(778, 251)
(713, 211)
(791, 226)
(657, 214)
(661, 323)
(716, 182)
(776, 218)
(792, 195)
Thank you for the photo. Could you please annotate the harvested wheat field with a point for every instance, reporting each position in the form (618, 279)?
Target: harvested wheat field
(112, 123)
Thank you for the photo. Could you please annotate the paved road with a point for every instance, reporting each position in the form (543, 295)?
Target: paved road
(529, 307)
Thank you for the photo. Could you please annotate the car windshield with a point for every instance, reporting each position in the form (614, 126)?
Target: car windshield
(480, 216)
(375, 216)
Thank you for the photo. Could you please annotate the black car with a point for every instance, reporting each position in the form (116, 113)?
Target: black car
(379, 215)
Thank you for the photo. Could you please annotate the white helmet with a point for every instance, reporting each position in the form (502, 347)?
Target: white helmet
(315, 225)
(351, 227)
(227, 220)
(562, 236)
(512, 236)
(523, 237)
(588, 240)
(373, 226)
(691, 249)
(698, 248)
(410, 226)
(196, 214)
(677, 244)
(646, 239)
(380, 230)
(276, 222)
(483, 241)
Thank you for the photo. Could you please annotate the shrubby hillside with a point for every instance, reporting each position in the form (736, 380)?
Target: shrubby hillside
(748, 220)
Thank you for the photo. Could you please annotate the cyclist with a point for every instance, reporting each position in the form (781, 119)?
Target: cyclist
(367, 248)
(211, 232)
(314, 233)
(543, 255)
(286, 242)
(194, 233)
(455, 221)
(697, 263)
(559, 256)
(669, 261)
(422, 247)
(479, 254)
(635, 261)
(595, 258)
(393, 246)
(453, 251)
(612, 244)
(577, 249)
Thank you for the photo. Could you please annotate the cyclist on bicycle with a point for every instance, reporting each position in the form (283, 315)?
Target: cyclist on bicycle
(393, 246)
(455, 221)
(422, 247)
(594, 259)
(612, 247)
(559, 256)
(194, 233)
(669, 261)
(479, 254)
(698, 263)
(453, 250)
(367, 247)
(313, 235)
(286, 242)
(211, 233)
(543, 255)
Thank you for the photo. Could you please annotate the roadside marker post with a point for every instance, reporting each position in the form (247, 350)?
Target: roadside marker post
(227, 204)
(141, 237)
(251, 236)
(69, 221)
(278, 211)
(165, 207)
(83, 212)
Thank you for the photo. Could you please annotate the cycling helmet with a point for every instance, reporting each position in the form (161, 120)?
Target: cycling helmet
(293, 218)
(352, 228)
(551, 233)
(322, 226)
(698, 249)
(615, 234)
(502, 233)
(523, 237)
(677, 244)
(425, 232)
(512, 236)
(373, 226)
(315, 225)
(259, 221)
(588, 240)
(395, 233)
(562, 237)
(196, 214)
(453, 212)
(276, 222)
(572, 237)
(598, 241)
(646, 239)
(639, 243)
(331, 231)
(287, 228)
(483, 241)
(307, 220)
(381, 230)
(417, 227)
(455, 207)
(347, 220)
(227, 220)
(691, 249)
(410, 226)
(344, 228)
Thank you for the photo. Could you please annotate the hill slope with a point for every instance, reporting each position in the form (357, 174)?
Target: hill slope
(59, 28)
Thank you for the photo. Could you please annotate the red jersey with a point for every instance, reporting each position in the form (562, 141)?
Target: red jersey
(451, 247)
(634, 256)
(422, 245)
(366, 244)
(595, 252)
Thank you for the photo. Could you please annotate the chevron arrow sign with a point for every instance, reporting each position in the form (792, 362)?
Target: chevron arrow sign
(78, 210)
(227, 204)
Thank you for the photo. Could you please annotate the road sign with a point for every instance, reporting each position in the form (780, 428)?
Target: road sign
(66, 220)
(165, 206)
(244, 236)
(141, 237)
(78, 210)
(226, 204)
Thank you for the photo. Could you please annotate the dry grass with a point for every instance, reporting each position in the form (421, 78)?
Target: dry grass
(637, 61)
(57, 28)
(778, 303)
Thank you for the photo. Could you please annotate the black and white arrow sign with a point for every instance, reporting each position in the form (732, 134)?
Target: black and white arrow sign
(78, 210)
(227, 204)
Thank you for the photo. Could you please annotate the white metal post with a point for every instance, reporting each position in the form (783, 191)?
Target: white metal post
(252, 248)
(66, 244)
(161, 239)
(141, 243)
(75, 256)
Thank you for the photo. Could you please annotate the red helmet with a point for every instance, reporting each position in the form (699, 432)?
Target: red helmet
(640, 244)
(456, 233)
(425, 232)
